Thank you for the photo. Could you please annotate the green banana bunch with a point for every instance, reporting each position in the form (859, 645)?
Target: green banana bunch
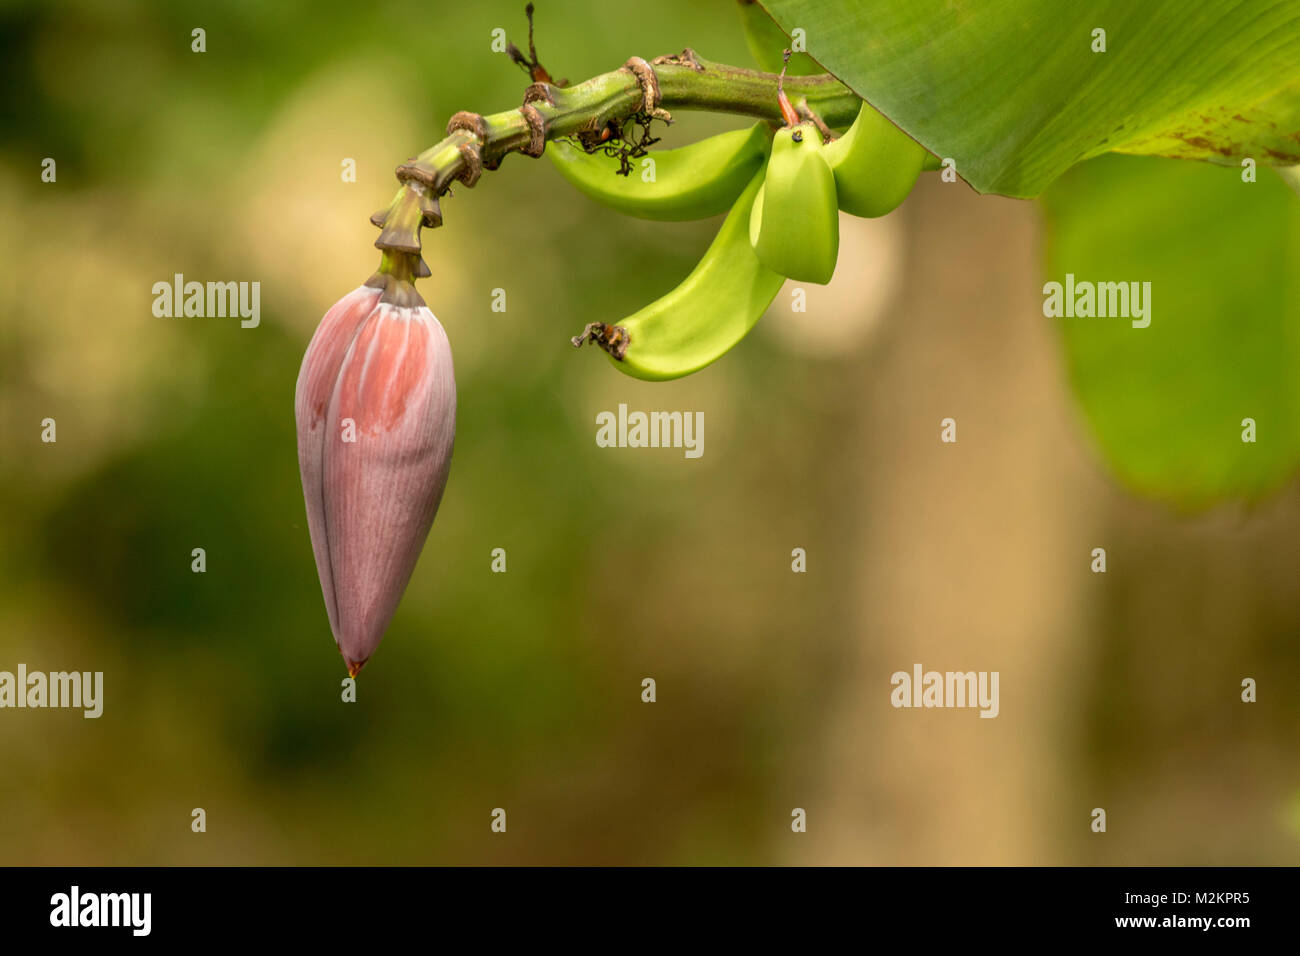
(704, 317)
(691, 182)
(875, 164)
(794, 226)
(784, 218)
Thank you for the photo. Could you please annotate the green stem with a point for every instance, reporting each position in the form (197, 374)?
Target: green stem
(683, 82)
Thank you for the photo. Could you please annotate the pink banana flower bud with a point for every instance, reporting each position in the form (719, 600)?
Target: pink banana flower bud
(376, 414)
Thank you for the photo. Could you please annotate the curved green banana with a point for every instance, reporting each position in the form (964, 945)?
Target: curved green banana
(795, 225)
(875, 164)
(767, 41)
(704, 317)
(691, 182)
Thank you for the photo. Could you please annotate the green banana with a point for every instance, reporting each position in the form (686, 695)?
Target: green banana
(766, 41)
(795, 226)
(875, 164)
(704, 317)
(691, 182)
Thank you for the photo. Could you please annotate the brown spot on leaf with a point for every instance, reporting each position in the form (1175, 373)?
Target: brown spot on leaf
(1203, 144)
(1283, 159)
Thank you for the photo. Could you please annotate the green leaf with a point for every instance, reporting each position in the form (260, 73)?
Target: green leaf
(1166, 403)
(767, 42)
(1014, 93)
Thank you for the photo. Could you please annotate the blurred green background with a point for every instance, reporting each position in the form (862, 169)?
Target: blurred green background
(523, 690)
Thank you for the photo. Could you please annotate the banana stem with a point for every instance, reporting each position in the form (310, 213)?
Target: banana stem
(683, 81)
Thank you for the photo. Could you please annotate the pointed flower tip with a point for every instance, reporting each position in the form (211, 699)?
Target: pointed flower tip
(354, 667)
